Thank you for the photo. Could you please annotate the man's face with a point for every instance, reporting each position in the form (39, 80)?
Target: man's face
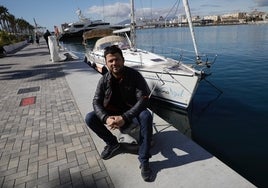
(115, 63)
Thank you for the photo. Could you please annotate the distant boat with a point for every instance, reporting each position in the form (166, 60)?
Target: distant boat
(75, 30)
(172, 81)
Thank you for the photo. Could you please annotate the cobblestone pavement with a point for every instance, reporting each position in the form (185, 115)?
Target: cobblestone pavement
(44, 141)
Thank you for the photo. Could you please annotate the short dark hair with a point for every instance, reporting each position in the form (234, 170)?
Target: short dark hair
(112, 50)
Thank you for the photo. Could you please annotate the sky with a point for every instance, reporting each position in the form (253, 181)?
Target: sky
(48, 13)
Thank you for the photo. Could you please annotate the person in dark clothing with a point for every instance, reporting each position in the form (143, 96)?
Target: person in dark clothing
(46, 35)
(121, 98)
(37, 39)
(2, 51)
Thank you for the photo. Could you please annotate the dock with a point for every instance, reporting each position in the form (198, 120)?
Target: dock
(44, 141)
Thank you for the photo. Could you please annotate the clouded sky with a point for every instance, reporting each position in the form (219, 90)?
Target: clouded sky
(48, 13)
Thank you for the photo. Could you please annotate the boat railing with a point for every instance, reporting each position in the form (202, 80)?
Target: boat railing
(188, 57)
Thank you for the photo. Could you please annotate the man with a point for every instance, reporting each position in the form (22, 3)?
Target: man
(46, 35)
(121, 98)
(57, 34)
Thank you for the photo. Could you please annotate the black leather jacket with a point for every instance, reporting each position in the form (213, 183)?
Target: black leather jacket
(134, 90)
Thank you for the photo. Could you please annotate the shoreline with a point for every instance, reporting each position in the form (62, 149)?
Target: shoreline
(199, 25)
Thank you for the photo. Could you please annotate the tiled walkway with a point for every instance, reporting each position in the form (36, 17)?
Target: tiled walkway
(44, 141)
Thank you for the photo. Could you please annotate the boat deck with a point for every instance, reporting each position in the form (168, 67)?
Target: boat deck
(147, 62)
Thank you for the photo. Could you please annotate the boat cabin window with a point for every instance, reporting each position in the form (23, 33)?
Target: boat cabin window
(157, 60)
(121, 45)
(78, 26)
(98, 24)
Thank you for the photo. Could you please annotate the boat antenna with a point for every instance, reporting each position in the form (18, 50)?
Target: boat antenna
(80, 15)
(132, 27)
(189, 18)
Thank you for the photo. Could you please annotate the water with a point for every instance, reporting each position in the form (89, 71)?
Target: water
(229, 120)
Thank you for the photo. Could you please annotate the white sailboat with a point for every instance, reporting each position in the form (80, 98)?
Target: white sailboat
(170, 80)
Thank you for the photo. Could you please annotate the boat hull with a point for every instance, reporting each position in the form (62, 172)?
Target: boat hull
(172, 88)
(78, 35)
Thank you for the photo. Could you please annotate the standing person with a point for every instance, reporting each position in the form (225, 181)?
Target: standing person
(57, 34)
(46, 35)
(121, 98)
(31, 39)
(37, 39)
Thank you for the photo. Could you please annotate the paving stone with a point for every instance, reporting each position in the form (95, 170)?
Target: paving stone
(71, 156)
(53, 152)
(5, 159)
(43, 170)
(25, 179)
(48, 160)
(100, 175)
(91, 171)
(57, 163)
(23, 165)
(89, 181)
(16, 175)
(13, 163)
(92, 161)
(77, 179)
(68, 165)
(4, 173)
(102, 183)
(33, 167)
(53, 173)
(65, 176)
(9, 183)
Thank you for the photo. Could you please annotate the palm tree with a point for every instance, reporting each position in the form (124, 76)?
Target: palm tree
(11, 24)
(23, 26)
(13, 29)
(3, 17)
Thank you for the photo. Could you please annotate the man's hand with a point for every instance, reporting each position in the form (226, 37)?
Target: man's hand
(119, 121)
(115, 122)
(110, 121)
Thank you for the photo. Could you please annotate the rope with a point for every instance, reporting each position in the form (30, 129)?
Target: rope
(159, 78)
(176, 6)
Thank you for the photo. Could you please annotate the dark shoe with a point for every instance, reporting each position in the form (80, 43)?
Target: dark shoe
(146, 172)
(108, 151)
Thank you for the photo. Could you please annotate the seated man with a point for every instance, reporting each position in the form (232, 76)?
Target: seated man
(121, 98)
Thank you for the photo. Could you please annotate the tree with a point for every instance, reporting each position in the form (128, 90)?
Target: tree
(3, 17)
(11, 24)
(23, 26)
(12, 29)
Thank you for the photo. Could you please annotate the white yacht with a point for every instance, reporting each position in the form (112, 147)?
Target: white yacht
(75, 30)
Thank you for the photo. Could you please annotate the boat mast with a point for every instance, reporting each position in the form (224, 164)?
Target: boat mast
(132, 26)
(189, 18)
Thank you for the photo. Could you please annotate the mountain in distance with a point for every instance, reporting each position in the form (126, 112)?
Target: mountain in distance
(124, 22)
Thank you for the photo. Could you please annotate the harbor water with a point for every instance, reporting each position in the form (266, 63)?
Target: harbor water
(228, 115)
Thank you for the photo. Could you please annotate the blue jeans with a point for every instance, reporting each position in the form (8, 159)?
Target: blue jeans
(144, 119)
